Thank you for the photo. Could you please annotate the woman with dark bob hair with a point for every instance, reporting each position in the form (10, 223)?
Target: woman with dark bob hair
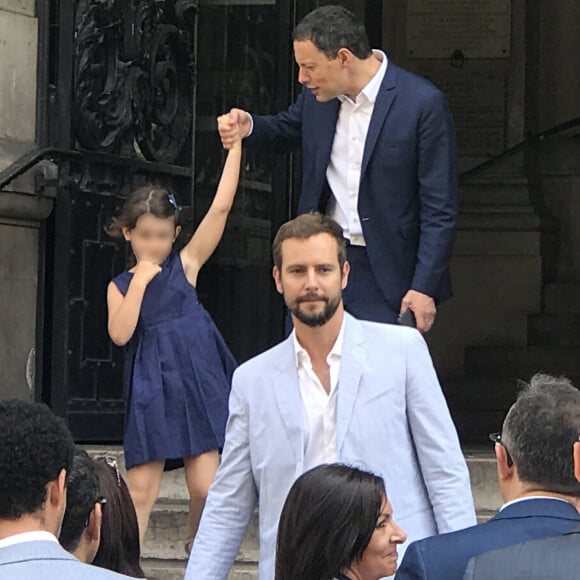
(337, 523)
(119, 549)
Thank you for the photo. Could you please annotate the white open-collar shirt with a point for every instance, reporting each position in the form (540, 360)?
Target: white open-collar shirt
(318, 406)
(344, 170)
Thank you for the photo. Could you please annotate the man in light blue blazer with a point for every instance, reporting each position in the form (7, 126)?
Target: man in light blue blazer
(338, 389)
(378, 155)
(36, 452)
(536, 480)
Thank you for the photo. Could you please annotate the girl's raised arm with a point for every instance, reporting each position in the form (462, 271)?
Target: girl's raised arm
(211, 229)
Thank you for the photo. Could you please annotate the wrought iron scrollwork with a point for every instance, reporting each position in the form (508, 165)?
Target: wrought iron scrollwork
(133, 77)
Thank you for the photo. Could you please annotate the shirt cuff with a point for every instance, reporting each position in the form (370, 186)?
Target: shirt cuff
(251, 124)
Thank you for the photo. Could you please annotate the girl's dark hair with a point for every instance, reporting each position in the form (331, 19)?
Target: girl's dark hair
(327, 522)
(147, 199)
(119, 549)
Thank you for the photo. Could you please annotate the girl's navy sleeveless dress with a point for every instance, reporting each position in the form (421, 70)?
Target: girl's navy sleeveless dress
(178, 373)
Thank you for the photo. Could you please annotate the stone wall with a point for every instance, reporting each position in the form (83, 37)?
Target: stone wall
(20, 209)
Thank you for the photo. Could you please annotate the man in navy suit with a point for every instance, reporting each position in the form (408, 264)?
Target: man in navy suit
(536, 477)
(548, 559)
(378, 155)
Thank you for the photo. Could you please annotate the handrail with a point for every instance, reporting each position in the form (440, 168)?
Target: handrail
(34, 156)
(531, 138)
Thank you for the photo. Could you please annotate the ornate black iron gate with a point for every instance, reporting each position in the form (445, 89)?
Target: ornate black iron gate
(119, 107)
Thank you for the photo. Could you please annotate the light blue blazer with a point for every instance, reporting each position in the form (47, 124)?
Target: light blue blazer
(392, 419)
(49, 561)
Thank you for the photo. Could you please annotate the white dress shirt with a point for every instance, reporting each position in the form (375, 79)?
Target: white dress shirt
(27, 537)
(318, 406)
(344, 170)
(521, 499)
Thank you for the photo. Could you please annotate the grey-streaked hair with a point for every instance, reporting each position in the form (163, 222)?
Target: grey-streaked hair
(539, 432)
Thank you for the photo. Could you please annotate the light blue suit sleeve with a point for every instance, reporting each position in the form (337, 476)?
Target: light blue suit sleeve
(437, 446)
(230, 502)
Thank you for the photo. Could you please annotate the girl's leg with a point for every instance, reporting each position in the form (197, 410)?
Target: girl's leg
(199, 475)
(143, 482)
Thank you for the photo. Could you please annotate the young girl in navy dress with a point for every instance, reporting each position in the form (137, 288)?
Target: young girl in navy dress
(177, 368)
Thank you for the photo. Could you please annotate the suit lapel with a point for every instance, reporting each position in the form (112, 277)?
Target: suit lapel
(326, 128)
(288, 400)
(385, 99)
(351, 366)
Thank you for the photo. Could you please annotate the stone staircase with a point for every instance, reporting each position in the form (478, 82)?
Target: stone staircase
(164, 555)
(479, 402)
(505, 323)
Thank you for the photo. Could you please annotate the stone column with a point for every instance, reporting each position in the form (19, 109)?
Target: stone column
(21, 210)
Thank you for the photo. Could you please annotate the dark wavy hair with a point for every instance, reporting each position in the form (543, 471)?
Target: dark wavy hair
(327, 522)
(331, 28)
(119, 549)
(35, 445)
(147, 199)
(81, 496)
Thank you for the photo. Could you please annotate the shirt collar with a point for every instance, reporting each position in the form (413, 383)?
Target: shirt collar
(302, 355)
(521, 499)
(36, 536)
(371, 89)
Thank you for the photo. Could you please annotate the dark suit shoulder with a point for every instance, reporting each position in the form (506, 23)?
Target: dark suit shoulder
(407, 79)
(550, 558)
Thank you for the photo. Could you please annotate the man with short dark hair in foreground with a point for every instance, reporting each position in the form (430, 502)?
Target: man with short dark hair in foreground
(36, 453)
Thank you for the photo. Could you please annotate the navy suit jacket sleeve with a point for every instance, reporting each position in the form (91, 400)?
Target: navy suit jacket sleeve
(412, 567)
(281, 133)
(438, 193)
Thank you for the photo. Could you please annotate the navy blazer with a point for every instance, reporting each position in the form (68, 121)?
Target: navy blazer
(445, 557)
(553, 558)
(408, 197)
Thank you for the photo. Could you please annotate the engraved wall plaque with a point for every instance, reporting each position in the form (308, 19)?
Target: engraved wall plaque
(477, 99)
(477, 28)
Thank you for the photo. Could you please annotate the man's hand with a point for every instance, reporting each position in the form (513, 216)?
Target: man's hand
(232, 126)
(423, 308)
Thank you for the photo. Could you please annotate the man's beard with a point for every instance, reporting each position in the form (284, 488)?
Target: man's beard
(331, 305)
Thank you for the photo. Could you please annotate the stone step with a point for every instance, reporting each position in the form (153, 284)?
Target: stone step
(554, 329)
(166, 534)
(562, 298)
(161, 569)
(493, 242)
(156, 569)
(514, 363)
(498, 219)
(494, 194)
(172, 483)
